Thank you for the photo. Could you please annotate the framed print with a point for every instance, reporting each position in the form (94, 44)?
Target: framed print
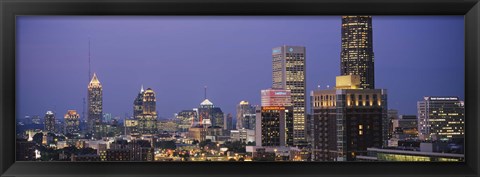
(253, 88)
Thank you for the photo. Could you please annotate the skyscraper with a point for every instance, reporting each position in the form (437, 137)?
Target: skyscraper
(245, 116)
(289, 72)
(441, 118)
(274, 122)
(357, 56)
(138, 104)
(147, 120)
(50, 121)
(72, 122)
(95, 106)
(347, 121)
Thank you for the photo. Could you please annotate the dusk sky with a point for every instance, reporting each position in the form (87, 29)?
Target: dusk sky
(177, 56)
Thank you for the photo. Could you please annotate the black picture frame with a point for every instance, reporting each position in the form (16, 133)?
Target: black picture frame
(11, 8)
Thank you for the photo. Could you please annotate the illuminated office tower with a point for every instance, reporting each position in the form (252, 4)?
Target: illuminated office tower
(147, 121)
(245, 116)
(357, 56)
(186, 119)
(95, 106)
(289, 72)
(347, 121)
(274, 119)
(72, 122)
(138, 104)
(441, 118)
(208, 111)
(50, 121)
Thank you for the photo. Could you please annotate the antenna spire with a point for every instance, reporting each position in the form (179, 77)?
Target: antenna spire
(205, 92)
(89, 72)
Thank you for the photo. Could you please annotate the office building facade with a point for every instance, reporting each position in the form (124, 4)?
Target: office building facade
(245, 116)
(357, 57)
(72, 122)
(49, 121)
(289, 73)
(95, 106)
(346, 122)
(441, 118)
(275, 119)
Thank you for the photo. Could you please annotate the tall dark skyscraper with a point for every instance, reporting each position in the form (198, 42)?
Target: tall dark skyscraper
(138, 104)
(357, 49)
(289, 72)
(147, 121)
(95, 106)
(50, 121)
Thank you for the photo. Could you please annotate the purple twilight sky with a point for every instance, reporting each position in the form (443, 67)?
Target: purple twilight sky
(177, 56)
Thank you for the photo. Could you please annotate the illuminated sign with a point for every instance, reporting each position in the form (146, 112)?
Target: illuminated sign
(280, 93)
(264, 108)
(276, 51)
(443, 98)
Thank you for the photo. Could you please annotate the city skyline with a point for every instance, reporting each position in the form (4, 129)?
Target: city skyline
(186, 95)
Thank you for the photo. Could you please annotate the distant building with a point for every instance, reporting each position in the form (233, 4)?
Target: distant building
(49, 121)
(208, 111)
(405, 127)
(131, 127)
(441, 118)
(228, 122)
(242, 135)
(346, 122)
(138, 104)
(147, 120)
(95, 107)
(167, 125)
(289, 73)
(245, 116)
(107, 118)
(36, 120)
(274, 119)
(72, 122)
(186, 119)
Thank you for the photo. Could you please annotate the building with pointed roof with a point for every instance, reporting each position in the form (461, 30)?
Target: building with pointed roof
(95, 107)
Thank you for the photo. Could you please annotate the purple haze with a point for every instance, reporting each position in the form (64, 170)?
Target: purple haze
(415, 56)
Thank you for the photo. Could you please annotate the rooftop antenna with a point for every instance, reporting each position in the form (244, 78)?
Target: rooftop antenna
(89, 73)
(205, 92)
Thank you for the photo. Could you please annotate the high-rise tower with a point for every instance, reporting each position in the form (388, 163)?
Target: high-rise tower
(147, 120)
(95, 106)
(50, 121)
(289, 72)
(138, 104)
(72, 122)
(356, 56)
